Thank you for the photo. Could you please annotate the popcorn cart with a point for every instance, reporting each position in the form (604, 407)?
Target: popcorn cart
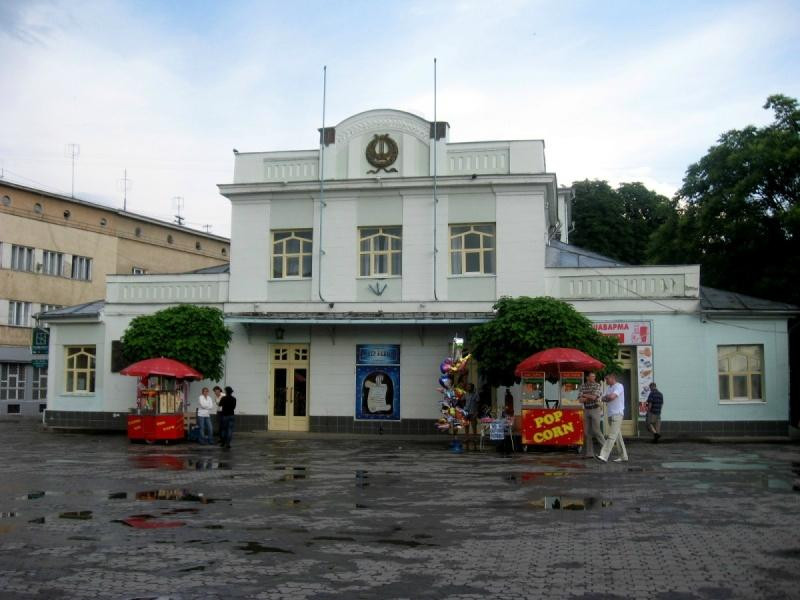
(161, 399)
(556, 422)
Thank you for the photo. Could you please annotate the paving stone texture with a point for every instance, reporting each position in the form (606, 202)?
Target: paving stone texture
(376, 517)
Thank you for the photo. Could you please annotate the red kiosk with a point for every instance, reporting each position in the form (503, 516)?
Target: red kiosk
(554, 422)
(161, 399)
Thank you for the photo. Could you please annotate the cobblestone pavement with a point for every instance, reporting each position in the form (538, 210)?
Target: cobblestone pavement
(389, 518)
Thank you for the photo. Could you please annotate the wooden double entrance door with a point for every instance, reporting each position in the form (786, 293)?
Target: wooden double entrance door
(288, 387)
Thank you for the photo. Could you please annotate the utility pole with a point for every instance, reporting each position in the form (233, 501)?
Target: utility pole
(125, 184)
(73, 151)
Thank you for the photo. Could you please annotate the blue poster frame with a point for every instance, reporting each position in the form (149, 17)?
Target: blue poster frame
(377, 368)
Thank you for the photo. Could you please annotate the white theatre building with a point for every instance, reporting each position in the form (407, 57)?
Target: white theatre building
(344, 296)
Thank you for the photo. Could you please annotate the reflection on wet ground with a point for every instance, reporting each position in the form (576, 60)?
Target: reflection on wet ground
(563, 503)
(367, 518)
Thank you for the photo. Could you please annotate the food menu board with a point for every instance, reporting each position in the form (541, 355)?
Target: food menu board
(571, 388)
(533, 388)
(644, 364)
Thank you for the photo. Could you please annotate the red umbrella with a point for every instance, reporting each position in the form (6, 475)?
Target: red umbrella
(555, 360)
(161, 366)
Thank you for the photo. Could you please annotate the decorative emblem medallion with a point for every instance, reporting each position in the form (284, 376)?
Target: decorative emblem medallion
(381, 153)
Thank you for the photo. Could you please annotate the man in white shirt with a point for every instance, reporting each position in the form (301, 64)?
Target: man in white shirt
(205, 404)
(615, 402)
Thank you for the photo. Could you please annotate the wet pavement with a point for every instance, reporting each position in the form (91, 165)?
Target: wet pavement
(86, 516)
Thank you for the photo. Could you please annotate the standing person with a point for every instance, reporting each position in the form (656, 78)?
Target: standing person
(218, 397)
(590, 396)
(471, 399)
(655, 400)
(615, 400)
(227, 405)
(205, 404)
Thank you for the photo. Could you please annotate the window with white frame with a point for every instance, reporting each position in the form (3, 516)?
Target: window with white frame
(21, 258)
(79, 369)
(12, 381)
(741, 373)
(39, 384)
(82, 268)
(19, 313)
(52, 263)
(472, 249)
(380, 251)
(291, 254)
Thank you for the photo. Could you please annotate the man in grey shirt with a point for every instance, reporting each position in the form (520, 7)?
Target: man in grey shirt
(592, 413)
(471, 406)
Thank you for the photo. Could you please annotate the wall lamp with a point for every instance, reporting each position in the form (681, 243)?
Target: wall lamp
(279, 331)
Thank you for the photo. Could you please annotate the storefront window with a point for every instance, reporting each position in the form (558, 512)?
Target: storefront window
(80, 369)
(741, 372)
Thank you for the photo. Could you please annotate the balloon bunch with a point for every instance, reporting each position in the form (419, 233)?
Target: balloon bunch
(453, 369)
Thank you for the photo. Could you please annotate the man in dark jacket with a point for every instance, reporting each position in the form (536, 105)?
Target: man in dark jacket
(655, 400)
(227, 405)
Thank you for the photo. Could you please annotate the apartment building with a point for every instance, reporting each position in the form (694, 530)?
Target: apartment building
(56, 251)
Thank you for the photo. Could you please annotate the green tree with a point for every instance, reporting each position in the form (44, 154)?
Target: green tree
(617, 223)
(195, 335)
(739, 211)
(526, 325)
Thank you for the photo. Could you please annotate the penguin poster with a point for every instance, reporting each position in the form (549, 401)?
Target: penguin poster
(377, 382)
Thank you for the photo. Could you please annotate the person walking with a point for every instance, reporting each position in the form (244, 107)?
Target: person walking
(655, 400)
(615, 401)
(592, 412)
(205, 404)
(227, 405)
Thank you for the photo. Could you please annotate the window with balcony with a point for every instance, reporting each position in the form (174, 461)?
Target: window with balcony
(472, 249)
(19, 313)
(741, 373)
(21, 258)
(52, 263)
(82, 268)
(380, 252)
(79, 370)
(291, 254)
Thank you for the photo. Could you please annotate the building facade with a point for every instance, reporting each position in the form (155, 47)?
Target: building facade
(57, 251)
(344, 294)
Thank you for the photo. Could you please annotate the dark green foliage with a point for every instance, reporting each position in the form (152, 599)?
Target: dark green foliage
(523, 326)
(617, 223)
(739, 215)
(195, 335)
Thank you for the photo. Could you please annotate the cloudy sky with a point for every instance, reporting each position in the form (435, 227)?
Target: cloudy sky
(622, 91)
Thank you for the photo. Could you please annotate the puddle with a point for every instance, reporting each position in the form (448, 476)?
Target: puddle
(82, 538)
(213, 527)
(179, 495)
(118, 496)
(81, 515)
(284, 502)
(190, 569)
(291, 473)
(207, 464)
(177, 511)
(361, 478)
(564, 503)
(715, 465)
(404, 543)
(37, 521)
(361, 506)
(333, 538)
(256, 548)
(159, 461)
(8, 515)
(149, 522)
(35, 495)
(531, 476)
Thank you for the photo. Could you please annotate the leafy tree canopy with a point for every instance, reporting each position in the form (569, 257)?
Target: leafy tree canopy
(195, 335)
(739, 210)
(617, 223)
(523, 326)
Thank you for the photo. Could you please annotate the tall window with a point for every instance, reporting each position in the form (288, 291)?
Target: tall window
(21, 258)
(380, 251)
(19, 313)
(12, 381)
(39, 383)
(741, 373)
(291, 254)
(52, 263)
(79, 369)
(81, 268)
(472, 249)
